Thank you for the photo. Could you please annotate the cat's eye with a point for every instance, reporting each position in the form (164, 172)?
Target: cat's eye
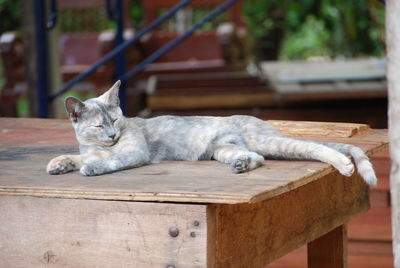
(99, 126)
(114, 120)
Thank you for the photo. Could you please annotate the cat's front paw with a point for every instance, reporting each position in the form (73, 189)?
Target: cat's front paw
(60, 165)
(91, 170)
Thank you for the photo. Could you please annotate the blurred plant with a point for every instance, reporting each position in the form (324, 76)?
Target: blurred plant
(136, 14)
(10, 13)
(312, 39)
(9, 21)
(266, 25)
(307, 28)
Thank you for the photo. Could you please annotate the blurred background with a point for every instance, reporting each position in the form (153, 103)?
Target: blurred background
(288, 60)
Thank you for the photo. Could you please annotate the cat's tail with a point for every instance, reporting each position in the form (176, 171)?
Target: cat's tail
(332, 153)
(364, 166)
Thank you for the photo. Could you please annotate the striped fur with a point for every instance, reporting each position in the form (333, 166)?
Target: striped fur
(110, 142)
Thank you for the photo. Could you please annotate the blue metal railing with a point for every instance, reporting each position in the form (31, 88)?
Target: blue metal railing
(119, 49)
(118, 52)
(41, 58)
(169, 46)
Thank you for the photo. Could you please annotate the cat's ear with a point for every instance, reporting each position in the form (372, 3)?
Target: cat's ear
(74, 108)
(110, 97)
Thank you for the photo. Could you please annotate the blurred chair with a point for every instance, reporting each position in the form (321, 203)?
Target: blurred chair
(84, 39)
(219, 46)
(205, 71)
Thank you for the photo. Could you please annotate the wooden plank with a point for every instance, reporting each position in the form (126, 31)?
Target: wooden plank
(33, 143)
(361, 255)
(198, 90)
(319, 129)
(384, 154)
(329, 250)
(336, 88)
(295, 259)
(252, 235)
(382, 166)
(39, 232)
(383, 182)
(371, 248)
(368, 261)
(314, 81)
(179, 67)
(288, 98)
(212, 101)
(374, 225)
(218, 79)
(379, 199)
(294, 71)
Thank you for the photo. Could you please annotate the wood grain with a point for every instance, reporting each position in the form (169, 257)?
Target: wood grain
(244, 220)
(319, 129)
(50, 232)
(252, 235)
(27, 145)
(329, 250)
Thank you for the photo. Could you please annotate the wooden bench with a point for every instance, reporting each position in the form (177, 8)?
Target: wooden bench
(218, 90)
(175, 214)
(217, 48)
(302, 81)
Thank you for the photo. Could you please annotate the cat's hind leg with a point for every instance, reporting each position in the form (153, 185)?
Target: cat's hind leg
(240, 159)
(63, 164)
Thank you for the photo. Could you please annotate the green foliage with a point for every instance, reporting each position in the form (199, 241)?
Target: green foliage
(136, 14)
(312, 39)
(10, 13)
(309, 28)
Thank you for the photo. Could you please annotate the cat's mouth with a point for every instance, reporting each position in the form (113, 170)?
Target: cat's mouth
(114, 141)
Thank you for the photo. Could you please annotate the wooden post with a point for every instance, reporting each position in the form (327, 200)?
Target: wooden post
(393, 76)
(57, 109)
(28, 35)
(55, 79)
(330, 250)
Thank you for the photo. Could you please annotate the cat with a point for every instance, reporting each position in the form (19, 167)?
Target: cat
(108, 141)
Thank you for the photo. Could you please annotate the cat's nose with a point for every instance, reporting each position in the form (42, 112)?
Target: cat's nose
(111, 136)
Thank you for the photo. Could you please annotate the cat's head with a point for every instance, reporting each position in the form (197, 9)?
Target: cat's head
(97, 121)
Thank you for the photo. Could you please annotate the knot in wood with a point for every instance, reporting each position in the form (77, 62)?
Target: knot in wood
(173, 231)
(49, 256)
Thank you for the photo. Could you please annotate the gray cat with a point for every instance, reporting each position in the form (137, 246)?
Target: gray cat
(110, 142)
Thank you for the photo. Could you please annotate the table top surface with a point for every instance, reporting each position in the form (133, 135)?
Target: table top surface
(26, 146)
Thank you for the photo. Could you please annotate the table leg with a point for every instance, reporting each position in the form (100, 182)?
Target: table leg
(329, 250)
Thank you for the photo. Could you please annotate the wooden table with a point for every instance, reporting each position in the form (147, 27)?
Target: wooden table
(176, 214)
